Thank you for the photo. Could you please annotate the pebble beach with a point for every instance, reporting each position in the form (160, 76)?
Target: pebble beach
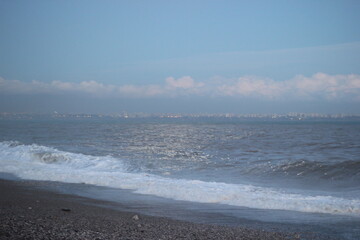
(30, 213)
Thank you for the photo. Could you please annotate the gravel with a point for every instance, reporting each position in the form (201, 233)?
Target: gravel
(30, 213)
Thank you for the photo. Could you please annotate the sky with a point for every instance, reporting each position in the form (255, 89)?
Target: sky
(213, 56)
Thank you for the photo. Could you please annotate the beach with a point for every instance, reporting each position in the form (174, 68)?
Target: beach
(28, 212)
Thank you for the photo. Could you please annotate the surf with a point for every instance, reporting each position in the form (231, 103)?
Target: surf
(37, 162)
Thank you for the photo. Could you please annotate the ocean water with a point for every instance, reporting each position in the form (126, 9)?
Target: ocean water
(295, 173)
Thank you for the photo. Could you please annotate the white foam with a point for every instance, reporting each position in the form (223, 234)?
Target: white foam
(44, 163)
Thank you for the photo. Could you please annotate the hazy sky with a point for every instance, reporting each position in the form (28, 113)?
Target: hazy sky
(180, 56)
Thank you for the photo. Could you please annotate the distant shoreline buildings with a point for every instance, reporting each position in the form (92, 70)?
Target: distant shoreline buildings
(293, 116)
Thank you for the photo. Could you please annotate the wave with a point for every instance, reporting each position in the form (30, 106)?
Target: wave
(49, 157)
(339, 170)
(45, 163)
(345, 170)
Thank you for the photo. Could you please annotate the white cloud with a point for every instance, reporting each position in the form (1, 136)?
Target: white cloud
(92, 87)
(318, 86)
(327, 86)
(252, 86)
(184, 82)
(34, 87)
(171, 87)
(16, 86)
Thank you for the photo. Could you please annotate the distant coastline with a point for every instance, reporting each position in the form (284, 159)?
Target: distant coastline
(190, 116)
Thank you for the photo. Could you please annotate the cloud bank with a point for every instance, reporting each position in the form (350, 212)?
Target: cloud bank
(317, 86)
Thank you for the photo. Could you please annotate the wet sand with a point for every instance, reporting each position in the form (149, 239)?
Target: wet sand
(31, 213)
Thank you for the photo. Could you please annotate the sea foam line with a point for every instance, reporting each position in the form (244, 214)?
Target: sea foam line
(44, 163)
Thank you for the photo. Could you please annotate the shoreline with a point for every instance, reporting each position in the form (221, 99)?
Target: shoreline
(30, 213)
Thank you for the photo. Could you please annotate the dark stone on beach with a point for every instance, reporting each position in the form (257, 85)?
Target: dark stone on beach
(66, 209)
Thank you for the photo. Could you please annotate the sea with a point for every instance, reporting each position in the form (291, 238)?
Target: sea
(295, 176)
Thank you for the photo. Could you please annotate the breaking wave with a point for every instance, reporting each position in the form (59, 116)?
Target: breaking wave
(324, 170)
(44, 163)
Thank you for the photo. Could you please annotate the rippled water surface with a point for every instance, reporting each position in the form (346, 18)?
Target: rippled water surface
(309, 167)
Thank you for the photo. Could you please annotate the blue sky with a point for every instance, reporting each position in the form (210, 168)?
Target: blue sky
(180, 56)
